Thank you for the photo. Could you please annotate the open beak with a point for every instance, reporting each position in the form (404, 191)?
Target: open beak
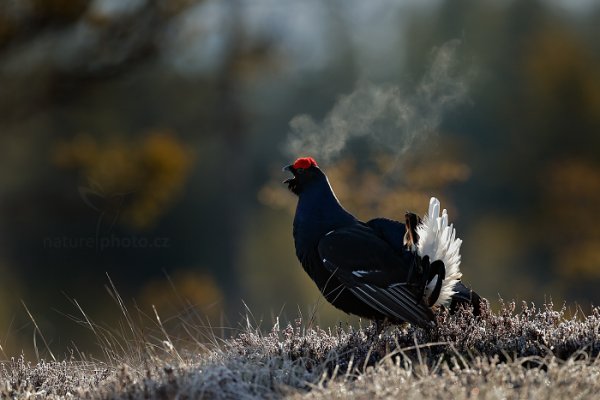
(289, 168)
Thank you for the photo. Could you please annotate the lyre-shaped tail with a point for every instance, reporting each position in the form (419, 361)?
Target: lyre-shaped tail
(438, 240)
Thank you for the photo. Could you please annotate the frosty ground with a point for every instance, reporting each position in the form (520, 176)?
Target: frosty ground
(516, 352)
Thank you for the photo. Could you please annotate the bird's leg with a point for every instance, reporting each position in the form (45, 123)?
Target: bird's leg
(379, 326)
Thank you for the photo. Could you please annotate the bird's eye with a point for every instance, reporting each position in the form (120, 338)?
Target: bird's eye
(300, 170)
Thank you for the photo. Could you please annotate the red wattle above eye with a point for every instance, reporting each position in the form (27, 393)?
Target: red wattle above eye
(305, 162)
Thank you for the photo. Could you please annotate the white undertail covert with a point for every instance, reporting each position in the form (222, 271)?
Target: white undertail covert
(438, 240)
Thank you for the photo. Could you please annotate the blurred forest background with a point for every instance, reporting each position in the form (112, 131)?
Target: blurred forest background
(144, 139)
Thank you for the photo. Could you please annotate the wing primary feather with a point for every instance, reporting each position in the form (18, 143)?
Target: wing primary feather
(412, 314)
(416, 311)
(394, 299)
(400, 298)
(396, 290)
(355, 291)
(388, 311)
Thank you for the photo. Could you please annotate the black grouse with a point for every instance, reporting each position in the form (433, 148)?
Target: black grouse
(379, 269)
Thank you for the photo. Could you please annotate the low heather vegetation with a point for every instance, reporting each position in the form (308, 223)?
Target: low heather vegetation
(513, 353)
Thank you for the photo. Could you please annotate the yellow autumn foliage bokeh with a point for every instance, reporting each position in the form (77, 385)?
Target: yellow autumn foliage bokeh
(149, 171)
(572, 188)
(183, 290)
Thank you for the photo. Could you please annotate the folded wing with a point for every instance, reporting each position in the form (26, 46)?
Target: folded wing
(374, 273)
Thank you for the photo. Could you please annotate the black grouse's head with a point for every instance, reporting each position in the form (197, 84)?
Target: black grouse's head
(305, 171)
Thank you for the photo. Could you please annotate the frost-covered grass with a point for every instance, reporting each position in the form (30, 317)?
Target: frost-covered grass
(507, 354)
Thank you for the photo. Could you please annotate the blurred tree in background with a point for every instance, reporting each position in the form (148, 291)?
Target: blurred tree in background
(144, 139)
(133, 182)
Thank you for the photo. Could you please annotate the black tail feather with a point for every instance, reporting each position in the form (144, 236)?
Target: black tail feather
(465, 296)
(437, 269)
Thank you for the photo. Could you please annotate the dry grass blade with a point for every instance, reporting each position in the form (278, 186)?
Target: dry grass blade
(39, 332)
(536, 352)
